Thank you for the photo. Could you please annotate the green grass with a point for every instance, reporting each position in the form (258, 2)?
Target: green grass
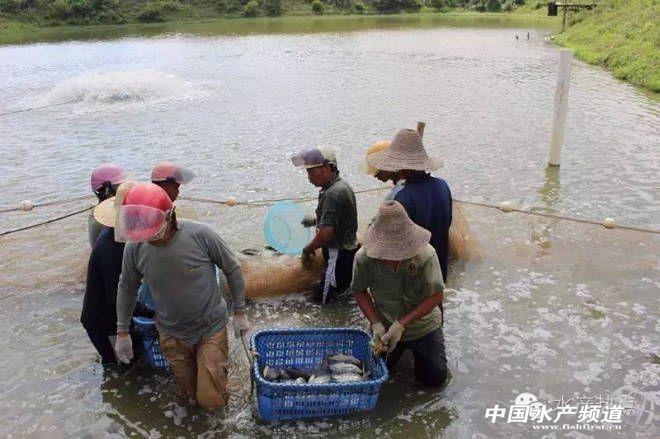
(621, 35)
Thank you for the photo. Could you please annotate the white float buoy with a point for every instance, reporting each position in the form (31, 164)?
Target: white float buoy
(609, 223)
(506, 206)
(231, 201)
(26, 205)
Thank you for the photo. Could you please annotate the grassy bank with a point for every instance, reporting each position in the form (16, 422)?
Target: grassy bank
(621, 35)
(91, 12)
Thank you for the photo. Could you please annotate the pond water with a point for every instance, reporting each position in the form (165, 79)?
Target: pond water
(553, 308)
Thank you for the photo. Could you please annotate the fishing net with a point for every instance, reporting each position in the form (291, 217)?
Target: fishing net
(55, 256)
(270, 274)
(463, 246)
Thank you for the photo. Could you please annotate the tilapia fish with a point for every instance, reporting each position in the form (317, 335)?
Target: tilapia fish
(284, 374)
(335, 368)
(343, 358)
(344, 368)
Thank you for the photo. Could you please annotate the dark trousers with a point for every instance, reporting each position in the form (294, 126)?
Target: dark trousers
(103, 346)
(343, 274)
(429, 356)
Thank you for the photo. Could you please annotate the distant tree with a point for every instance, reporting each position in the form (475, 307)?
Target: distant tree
(317, 7)
(272, 8)
(251, 9)
(391, 6)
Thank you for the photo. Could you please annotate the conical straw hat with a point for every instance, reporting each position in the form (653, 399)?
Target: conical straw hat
(379, 146)
(106, 212)
(405, 152)
(393, 235)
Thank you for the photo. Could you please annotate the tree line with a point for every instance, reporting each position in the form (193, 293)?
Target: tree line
(123, 11)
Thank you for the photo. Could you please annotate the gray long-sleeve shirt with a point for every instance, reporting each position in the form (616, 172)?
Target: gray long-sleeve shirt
(181, 274)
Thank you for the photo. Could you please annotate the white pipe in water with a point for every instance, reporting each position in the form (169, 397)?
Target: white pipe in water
(561, 107)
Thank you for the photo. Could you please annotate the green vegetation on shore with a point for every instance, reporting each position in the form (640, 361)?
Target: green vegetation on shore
(89, 12)
(621, 35)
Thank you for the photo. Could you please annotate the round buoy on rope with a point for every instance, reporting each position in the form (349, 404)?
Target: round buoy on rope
(506, 206)
(26, 205)
(609, 223)
(231, 201)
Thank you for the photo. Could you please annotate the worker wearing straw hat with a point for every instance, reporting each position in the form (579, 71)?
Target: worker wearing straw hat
(99, 315)
(427, 199)
(336, 221)
(381, 175)
(397, 283)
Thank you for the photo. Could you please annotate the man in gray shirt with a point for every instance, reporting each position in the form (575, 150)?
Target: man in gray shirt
(336, 221)
(178, 259)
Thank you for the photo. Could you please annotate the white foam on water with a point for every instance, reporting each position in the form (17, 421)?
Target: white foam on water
(590, 375)
(118, 87)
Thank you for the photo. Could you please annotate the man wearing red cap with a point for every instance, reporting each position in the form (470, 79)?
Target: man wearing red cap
(170, 177)
(178, 260)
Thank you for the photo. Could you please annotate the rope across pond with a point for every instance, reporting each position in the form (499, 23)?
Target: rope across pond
(504, 207)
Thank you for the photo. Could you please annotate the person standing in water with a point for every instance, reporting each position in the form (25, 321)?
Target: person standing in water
(427, 199)
(178, 259)
(99, 310)
(104, 181)
(336, 221)
(397, 283)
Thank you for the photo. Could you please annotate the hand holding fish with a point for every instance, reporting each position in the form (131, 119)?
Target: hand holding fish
(393, 335)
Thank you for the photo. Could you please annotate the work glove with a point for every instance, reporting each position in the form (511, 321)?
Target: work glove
(241, 325)
(124, 348)
(309, 220)
(377, 331)
(393, 336)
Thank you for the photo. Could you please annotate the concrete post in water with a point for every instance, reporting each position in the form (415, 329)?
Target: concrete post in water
(561, 107)
(420, 128)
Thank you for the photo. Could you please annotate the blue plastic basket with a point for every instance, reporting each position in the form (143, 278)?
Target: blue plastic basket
(306, 349)
(147, 333)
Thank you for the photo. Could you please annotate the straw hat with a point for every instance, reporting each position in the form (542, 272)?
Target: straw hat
(106, 212)
(379, 146)
(393, 235)
(405, 152)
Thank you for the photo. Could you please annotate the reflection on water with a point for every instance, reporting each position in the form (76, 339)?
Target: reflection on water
(284, 25)
(552, 308)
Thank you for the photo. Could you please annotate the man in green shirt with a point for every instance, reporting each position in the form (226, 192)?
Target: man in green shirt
(336, 221)
(397, 282)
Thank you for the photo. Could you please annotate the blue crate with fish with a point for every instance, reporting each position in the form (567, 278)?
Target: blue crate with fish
(146, 332)
(315, 372)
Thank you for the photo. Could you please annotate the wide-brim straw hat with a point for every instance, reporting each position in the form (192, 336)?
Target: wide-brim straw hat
(379, 146)
(393, 236)
(405, 152)
(107, 211)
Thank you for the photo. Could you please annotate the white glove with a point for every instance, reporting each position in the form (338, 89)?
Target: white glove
(124, 348)
(241, 325)
(377, 331)
(393, 336)
(309, 220)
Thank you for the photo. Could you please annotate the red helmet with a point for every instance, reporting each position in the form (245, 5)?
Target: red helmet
(144, 213)
(150, 195)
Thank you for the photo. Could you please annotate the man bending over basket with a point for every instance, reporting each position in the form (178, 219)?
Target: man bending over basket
(397, 282)
(178, 259)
